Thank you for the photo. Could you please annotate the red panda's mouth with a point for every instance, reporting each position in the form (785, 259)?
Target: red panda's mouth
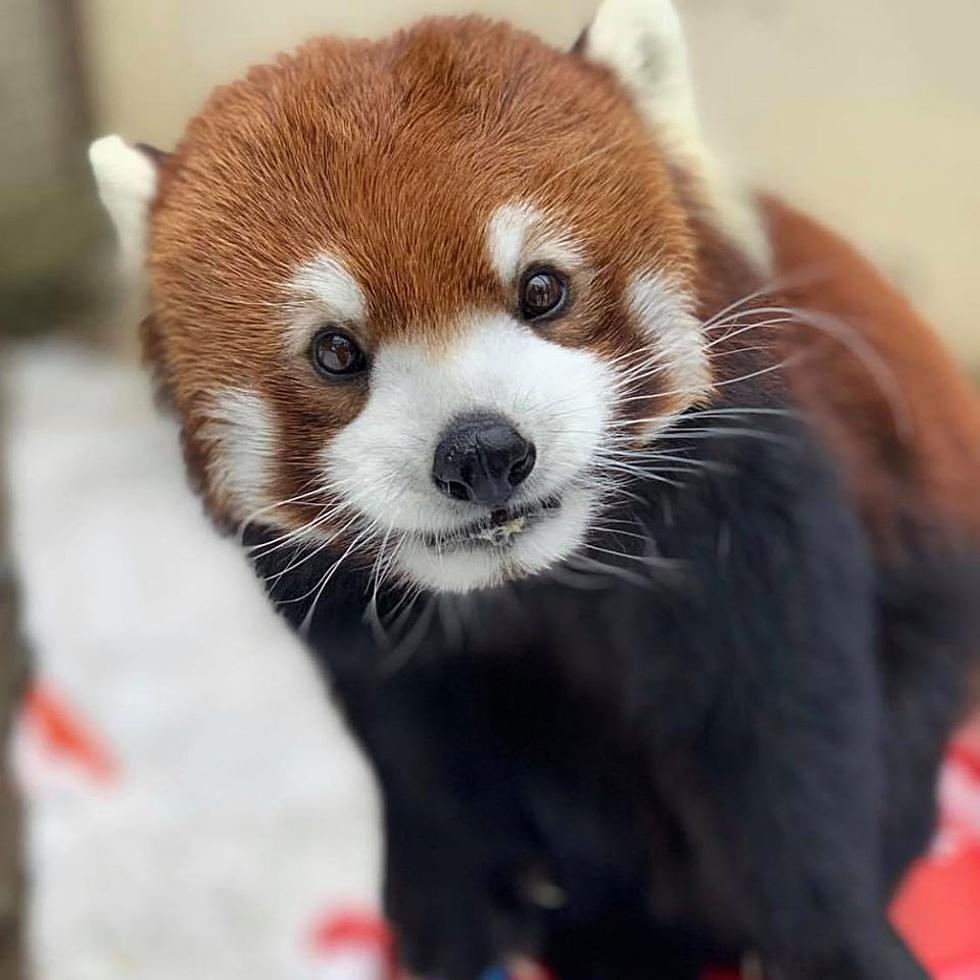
(498, 529)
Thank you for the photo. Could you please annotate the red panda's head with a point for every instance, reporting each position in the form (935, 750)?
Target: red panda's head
(409, 296)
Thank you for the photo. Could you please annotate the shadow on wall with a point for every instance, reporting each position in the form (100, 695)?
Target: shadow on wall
(54, 241)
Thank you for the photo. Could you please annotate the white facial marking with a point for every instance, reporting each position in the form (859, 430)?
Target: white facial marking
(642, 41)
(519, 235)
(242, 440)
(675, 333)
(507, 235)
(558, 398)
(322, 290)
(127, 182)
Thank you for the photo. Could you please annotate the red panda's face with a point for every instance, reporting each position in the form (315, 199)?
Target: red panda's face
(409, 297)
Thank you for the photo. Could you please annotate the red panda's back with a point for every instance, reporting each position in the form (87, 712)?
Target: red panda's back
(885, 394)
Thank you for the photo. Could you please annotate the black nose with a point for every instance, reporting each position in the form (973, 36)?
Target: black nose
(482, 458)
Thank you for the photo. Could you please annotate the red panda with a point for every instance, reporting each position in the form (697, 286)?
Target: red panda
(633, 517)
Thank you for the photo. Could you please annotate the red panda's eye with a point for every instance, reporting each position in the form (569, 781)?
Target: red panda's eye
(544, 294)
(336, 355)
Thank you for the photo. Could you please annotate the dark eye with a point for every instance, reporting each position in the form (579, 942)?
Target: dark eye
(544, 293)
(336, 355)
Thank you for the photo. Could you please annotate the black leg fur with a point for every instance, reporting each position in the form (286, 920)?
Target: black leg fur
(738, 753)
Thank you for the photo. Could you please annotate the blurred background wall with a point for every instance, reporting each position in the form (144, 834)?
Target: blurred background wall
(48, 220)
(865, 111)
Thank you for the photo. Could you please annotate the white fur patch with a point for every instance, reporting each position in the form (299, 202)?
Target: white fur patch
(127, 182)
(642, 41)
(560, 399)
(324, 291)
(242, 449)
(675, 333)
(519, 235)
(507, 235)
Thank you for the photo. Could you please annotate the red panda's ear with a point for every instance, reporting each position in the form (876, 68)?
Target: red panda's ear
(127, 177)
(642, 43)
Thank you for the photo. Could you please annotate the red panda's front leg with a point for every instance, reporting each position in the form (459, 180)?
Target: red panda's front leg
(785, 783)
(810, 885)
(444, 921)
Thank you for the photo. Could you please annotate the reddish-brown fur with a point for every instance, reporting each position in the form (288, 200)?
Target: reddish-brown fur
(393, 155)
(914, 452)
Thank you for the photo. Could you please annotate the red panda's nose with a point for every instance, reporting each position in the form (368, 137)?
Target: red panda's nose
(483, 459)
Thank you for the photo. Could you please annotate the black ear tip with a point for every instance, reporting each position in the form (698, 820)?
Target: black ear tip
(159, 157)
(579, 46)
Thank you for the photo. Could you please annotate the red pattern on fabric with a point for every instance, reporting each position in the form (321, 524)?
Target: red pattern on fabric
(62, 732)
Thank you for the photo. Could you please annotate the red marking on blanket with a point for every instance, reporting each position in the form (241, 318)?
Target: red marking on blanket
(63, 733)
(938, 908)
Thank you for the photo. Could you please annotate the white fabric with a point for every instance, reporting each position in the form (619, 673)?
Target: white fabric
(243, 812)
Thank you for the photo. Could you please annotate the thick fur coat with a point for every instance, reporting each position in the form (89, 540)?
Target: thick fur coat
(675, 689)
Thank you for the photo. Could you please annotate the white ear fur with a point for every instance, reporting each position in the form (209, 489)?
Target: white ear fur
(642, 42)
(127, 182)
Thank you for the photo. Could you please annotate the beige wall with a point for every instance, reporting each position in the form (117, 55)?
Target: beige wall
(154, 61)
(865, 111)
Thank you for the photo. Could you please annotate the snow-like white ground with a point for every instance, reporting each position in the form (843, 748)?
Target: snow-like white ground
(243, 812)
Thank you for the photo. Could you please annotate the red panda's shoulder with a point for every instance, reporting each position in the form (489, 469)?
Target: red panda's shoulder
(890, 400)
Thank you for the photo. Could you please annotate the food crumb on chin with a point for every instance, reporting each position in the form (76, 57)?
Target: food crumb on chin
(500, 534)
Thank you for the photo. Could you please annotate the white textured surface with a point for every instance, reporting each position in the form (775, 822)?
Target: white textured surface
(243, 811)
